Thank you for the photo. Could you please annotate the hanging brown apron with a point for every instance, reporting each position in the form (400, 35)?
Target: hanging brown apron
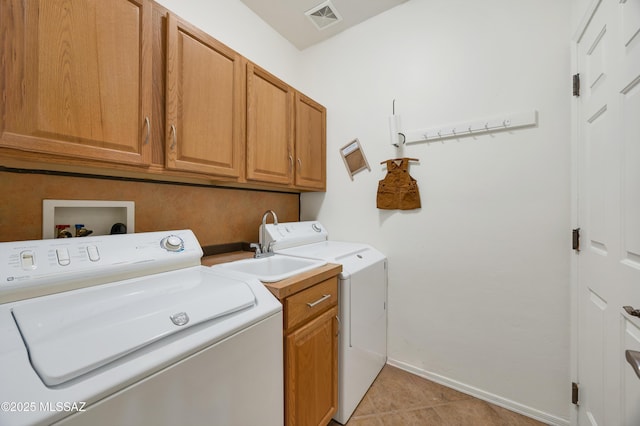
(398, 190)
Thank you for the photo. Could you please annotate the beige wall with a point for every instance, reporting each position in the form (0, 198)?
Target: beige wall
(216, 215)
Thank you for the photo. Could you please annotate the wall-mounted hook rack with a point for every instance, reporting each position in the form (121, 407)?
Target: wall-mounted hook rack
(462, 129)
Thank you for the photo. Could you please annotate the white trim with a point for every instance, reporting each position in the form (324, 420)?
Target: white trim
(575, 223)
(574, 311)
(586, 18)
(480, 394)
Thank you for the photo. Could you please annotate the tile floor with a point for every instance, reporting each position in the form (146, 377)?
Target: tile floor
(401, 398)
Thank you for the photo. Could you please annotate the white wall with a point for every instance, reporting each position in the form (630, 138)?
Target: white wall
(479, 277)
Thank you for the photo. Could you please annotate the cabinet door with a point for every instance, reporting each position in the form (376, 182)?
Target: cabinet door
(79, 79)
(204, 103)
(311, 119)
(269, 127)
(311, 372)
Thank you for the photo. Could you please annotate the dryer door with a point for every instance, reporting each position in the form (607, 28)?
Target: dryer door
(365, 298)
(363, 340)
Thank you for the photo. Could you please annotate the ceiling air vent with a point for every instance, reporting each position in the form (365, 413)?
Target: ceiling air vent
(324, 15)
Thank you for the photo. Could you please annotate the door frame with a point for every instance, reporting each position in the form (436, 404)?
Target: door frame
(575, 217)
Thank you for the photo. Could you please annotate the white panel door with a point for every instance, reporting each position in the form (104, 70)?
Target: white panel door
(608, 272)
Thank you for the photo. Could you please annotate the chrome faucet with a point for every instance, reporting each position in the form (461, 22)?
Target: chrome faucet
(261, 250)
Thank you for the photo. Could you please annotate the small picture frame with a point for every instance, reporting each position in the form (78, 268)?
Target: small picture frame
(354, 158)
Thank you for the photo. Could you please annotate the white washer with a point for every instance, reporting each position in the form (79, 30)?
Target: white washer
(130, 329)
(362, 303)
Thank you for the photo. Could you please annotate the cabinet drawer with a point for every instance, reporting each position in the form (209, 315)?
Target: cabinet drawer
(310, 302)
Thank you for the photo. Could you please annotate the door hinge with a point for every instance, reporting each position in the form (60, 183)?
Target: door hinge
(576, 84)
(574, 393)
(576, 239)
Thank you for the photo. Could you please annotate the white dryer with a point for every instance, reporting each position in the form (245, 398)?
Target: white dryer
(362, 301)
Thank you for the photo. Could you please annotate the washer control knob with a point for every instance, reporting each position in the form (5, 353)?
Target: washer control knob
(172, 243)
(316, 227)
(63, 257)
(93, 253)
(28, 259)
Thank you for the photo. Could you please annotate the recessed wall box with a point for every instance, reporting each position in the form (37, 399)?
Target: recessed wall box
(94, 215)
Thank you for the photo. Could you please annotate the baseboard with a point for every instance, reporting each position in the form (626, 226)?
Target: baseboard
(480, 394)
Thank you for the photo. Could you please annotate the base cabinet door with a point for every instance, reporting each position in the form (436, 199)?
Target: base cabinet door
(311, 371)
(79, 80)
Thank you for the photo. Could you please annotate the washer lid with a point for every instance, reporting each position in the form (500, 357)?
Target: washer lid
(73, 333)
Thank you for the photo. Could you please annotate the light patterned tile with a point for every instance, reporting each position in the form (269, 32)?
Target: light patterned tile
(419, 417)
(400, 398)
(515, 419)
(469, 412)
(395, 389)
(366, 406)
(365, 421)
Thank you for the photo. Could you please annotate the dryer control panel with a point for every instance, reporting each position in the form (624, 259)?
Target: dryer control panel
(293, 234)
(38, 267)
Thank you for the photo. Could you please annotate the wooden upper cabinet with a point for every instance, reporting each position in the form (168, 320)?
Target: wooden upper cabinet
(127, 82)
(311, 153)
(78, 78)
(205, 107)
(269, 127)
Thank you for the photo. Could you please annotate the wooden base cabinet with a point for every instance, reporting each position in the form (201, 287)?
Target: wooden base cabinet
(311, 371)
(311, 327)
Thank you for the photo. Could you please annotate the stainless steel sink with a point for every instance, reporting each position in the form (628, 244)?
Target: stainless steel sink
(273, 268)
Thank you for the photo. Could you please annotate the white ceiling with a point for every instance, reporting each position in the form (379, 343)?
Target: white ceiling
(288, 17)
